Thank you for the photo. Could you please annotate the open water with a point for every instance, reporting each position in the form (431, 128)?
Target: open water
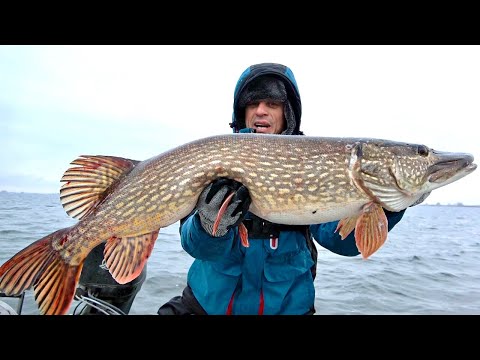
(430, 263)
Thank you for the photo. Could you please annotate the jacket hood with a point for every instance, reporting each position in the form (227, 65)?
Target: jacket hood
(293, 104)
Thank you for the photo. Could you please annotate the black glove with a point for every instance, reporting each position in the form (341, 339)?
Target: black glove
(212, 198)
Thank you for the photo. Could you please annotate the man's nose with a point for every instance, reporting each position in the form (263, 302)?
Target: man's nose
(262, 108)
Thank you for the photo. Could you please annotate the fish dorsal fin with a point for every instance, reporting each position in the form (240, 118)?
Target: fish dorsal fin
(125, 257)
(371, 229)
(86, 184)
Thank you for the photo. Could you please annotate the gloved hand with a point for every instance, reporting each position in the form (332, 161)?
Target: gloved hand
(421, 199)
(212, 198)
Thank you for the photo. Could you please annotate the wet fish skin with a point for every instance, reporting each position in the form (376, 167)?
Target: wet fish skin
(297, 180)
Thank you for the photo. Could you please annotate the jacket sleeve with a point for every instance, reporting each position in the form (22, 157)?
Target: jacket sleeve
(201, 245)
(326, 236)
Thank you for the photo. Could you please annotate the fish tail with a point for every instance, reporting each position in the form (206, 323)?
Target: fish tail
(41, 266)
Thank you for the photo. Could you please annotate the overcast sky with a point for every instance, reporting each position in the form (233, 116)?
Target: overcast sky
(58, 102)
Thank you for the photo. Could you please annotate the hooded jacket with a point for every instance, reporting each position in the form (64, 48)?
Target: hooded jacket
(258, 82)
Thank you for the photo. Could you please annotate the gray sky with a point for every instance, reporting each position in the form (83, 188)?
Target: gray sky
(59, 102)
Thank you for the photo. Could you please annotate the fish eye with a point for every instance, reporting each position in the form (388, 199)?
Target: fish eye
(422, 150)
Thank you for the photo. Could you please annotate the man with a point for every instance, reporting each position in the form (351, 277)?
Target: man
(275, 274)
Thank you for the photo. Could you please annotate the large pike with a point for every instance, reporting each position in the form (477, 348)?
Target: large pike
(291, 179)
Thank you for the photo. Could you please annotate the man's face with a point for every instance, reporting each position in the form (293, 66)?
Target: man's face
(265, 116)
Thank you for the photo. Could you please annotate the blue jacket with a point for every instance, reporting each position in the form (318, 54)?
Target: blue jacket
(265, 278)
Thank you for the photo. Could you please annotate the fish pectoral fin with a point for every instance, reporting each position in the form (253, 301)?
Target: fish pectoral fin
(346, 226)
(125, 257)
(86, 184)
(243, 232)
(371, 229)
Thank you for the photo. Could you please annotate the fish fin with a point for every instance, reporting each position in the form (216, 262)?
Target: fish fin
(86, 184)
(126, 257)
(346, 226)
(41, 266)
(224, 206)
(243, 232)
(371, 229)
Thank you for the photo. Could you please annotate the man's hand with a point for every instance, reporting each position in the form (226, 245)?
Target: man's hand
(211, 200)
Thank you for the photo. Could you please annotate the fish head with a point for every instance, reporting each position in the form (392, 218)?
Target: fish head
(399, 175)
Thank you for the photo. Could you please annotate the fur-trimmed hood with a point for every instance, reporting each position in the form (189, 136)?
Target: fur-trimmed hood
(278, 83)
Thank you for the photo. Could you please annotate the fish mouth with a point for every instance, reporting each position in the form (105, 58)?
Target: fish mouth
(449, 167)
